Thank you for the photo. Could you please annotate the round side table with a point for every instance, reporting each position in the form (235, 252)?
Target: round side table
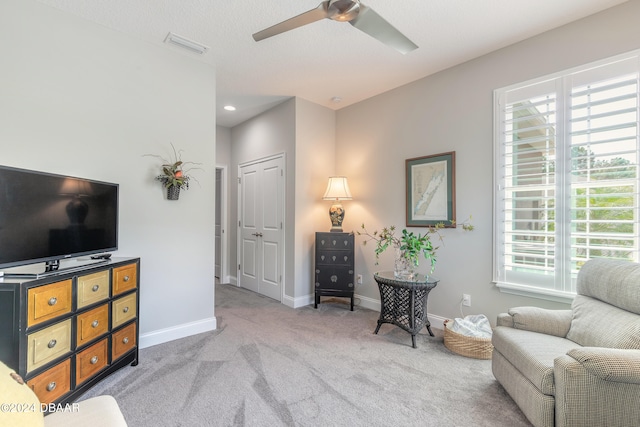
(404, 302)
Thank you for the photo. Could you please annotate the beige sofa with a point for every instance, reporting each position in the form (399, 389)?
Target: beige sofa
(578, 367)
(19, 407)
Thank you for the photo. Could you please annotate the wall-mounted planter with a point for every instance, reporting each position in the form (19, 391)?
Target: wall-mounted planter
(173, 192)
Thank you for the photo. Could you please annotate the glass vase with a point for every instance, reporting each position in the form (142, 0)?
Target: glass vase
(404, 268)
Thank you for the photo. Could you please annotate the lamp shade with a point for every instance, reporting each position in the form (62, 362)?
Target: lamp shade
(75, 187)
(337, 189)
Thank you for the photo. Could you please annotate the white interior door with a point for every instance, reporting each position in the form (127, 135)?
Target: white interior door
(261, 190)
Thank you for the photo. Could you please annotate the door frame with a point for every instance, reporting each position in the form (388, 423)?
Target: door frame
(283, 187)
(224, 224)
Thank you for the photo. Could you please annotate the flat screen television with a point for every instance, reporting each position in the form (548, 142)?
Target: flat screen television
(48, 218)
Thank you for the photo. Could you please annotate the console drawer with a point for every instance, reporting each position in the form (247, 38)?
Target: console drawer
(92, 324)
(123, 341)
(47, 302)
(123, 309)
(48, 344)
(53, 383)
(91, 361)
(93, 288)
(124, 278)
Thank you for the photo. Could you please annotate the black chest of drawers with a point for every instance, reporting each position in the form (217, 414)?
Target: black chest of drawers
(66, 331)
(334, 273)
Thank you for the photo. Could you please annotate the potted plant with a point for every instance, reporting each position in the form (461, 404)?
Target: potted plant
(408, 247)
(174, 177)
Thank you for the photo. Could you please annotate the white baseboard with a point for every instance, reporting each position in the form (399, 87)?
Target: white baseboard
(176, 332)
(232, 280)
(297, 302)
(366, 302)
(437, 322)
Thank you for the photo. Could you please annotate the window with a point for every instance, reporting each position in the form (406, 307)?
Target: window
(566, 173)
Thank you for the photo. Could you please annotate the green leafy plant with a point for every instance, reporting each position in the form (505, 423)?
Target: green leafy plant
(174, 173)
(411, 245)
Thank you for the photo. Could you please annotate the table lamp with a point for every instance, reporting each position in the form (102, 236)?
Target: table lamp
(337, 190)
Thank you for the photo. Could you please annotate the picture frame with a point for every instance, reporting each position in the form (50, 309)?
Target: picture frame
(431, 190)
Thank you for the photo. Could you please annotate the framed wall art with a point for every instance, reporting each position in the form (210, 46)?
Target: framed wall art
(431, 190)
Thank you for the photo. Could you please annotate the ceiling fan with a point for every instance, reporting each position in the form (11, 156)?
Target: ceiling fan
(352, 11)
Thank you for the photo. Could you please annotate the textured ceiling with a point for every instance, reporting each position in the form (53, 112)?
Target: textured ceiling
(328, 59)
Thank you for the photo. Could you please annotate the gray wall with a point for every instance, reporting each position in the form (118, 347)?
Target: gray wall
(305, 132)
(79, 99)
(271, 133)
(453, 111)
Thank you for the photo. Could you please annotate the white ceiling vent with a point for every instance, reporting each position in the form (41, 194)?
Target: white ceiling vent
(184, 43)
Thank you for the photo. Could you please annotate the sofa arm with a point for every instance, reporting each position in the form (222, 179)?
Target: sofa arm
(505, 319)
(609, 364)
(96, 411)
(535, 319)
(584, 399)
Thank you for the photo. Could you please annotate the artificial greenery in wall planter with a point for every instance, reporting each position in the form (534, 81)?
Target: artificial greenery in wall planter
(174, 176)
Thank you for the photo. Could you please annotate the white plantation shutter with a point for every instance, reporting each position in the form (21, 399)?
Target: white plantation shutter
(566, 173)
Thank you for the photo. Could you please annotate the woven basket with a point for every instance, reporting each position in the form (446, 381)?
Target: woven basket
(477, 348)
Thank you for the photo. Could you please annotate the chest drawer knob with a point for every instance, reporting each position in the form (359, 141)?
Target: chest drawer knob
(94, 360)
(95, 323)
(51, 386)
(125, 340)
(95, 288)
(52, 343)
(53, 301)
(125, 310)
(125, 279)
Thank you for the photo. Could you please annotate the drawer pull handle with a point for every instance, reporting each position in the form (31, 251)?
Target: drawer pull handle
(125, 279)
(51, 386)
(52, 343)
(95, 288)
(94, 360)
(125, 340)
(53, 301)
(125, 310)
(94, 324)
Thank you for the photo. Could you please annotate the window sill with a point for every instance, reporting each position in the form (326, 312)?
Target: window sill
(534, 292)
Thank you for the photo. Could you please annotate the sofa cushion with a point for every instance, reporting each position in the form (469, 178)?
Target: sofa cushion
(96, 411)
(21, 407)
(598, 324)
(613, 282)
(532, 354)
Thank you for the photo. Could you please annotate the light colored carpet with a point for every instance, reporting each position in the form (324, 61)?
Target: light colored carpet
(270, 365)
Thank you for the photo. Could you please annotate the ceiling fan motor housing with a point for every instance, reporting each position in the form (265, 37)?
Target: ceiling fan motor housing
(343, 10)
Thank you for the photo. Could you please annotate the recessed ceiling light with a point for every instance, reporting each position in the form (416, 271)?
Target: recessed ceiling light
(185, 43)
(336, 100)
(230, 108)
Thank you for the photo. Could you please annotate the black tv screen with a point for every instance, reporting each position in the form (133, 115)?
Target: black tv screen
(46, 217)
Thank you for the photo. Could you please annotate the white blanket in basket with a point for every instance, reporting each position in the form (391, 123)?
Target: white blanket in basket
(473, 325)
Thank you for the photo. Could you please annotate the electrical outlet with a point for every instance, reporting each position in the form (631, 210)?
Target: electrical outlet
(359, 279)
(466, 300)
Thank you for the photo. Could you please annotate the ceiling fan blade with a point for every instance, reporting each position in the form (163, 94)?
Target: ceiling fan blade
(308, 17)
(373, 24)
